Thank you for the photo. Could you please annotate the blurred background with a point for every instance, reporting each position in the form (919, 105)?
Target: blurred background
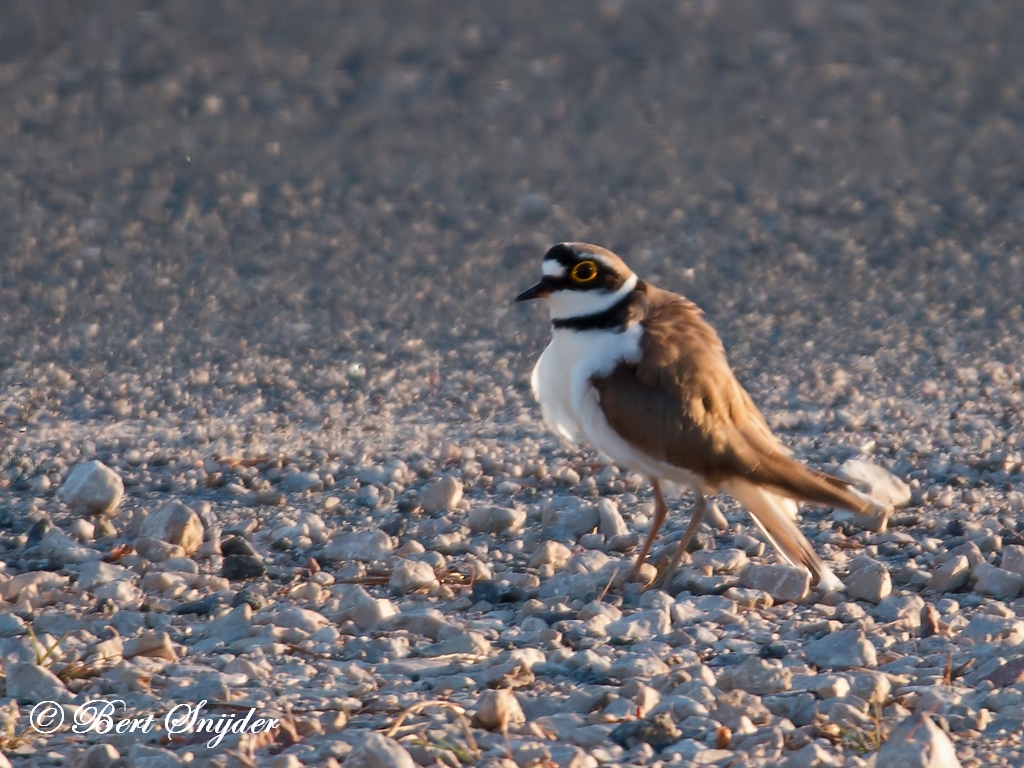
(185, 180)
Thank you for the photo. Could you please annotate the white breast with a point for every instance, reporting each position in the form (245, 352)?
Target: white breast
(569, 401)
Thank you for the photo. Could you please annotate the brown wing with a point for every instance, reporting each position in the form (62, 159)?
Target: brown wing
(682, 404)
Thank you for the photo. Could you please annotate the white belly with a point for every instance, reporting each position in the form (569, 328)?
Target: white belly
(569, 401)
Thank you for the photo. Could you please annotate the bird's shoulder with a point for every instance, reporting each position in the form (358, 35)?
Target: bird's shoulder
(683, 364)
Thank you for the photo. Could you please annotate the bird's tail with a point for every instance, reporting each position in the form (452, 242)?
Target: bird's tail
(775, 516)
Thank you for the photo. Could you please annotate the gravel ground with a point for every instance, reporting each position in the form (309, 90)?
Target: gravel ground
(257, 260)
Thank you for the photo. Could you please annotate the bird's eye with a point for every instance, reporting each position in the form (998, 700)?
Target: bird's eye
(584, 272)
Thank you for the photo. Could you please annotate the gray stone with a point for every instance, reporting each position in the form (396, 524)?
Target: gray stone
(368, 496)
(30, 684)
(11, 625)
(845, 649)
(997, 583)
(642, 625)
(878, 483)
(61, 549)
(969, 549)
(96, 573)
(496, 519)
(579, 517)
(92, 488)
(443, 493)
(727, 559)
(951, 576)
(757, 676)
(367, 546)
(810, 756)
(361, 607)
(410, 575)
(1013, 559)
(918, 743)
(610, 522)
(232, 626)
(301, 482)
(782, 582)
(174, 523)
(868, 580)
(96, 756)
(41, 580)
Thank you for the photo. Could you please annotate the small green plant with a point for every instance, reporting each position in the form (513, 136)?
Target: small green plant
(44, 654)
(866, 738)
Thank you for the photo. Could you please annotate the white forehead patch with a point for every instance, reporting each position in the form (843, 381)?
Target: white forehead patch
(552, 268)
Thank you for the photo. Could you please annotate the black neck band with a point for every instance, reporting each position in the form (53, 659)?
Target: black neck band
(616, 316)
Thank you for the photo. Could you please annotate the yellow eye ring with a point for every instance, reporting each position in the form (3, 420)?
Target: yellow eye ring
(584, 272)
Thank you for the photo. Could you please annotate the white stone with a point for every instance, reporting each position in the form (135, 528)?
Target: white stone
(842, 650)
(41, 580)
(610, 522)
(782, 582)
(810, 756)
(642, 625)
(291, 616)
(496, 519)
(579, 517)
(92, 488)
(951, 575)
(868, 580)
(367, 546)
(361, 607)
(878, 483)
(410, 575)
(96, 573)
(232, 626)
(917, 742)
(378, 751)
(758, 676)
(63, 550)
(443, 493)
(1013, 558)
(720, 560)
(551, 553)
(174, 523)
(30, 684)
(997, 583)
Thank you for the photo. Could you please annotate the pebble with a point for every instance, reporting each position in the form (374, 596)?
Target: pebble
(28, 683)
(377, 751)
(442, 494)
(366, 546)
(868, 580)
(918, 742)
(92, 488)
(951, 576)
(878, 483)
(845, 649)
(496, 520)
(783, 582)
(241, 567)
(610, 522)
(60, 549)
(996, 582)
(174, 523)
(410, 575)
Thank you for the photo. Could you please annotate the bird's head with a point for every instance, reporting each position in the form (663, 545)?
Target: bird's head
(580, 279)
